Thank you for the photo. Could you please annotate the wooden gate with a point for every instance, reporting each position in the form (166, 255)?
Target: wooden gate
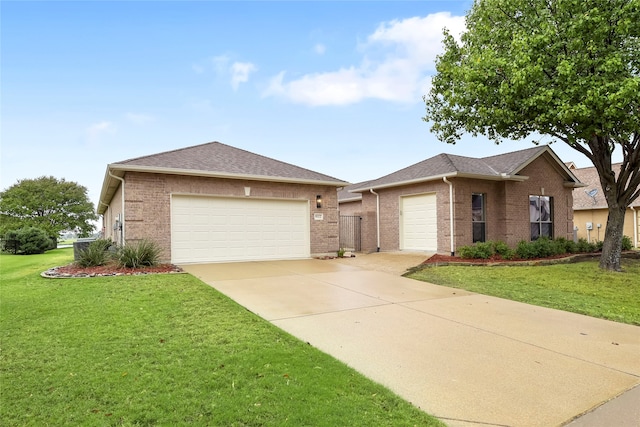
(351, 233)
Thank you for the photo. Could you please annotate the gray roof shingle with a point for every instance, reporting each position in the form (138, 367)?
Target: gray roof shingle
(218, 158)
(492, 167)
(589, 176)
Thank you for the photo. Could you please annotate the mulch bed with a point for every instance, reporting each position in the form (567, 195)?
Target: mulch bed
(437, 259)
(74, 270)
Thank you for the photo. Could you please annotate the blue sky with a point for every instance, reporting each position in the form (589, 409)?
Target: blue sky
(335, 87)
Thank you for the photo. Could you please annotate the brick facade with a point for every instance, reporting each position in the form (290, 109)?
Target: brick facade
(506, 206)
(148, 206)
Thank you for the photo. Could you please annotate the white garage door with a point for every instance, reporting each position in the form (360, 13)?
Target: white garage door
(217, 229)
(419, 223)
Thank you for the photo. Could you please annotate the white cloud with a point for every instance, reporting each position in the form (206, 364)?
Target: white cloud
(240, 73)
(139, 119)
(398, 59)
(95, 131)
(320, 49)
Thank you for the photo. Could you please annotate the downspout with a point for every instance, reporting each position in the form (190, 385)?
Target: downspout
(444, 178)
(635, 227)
(105, 221)
(377, 219)
(122, 181)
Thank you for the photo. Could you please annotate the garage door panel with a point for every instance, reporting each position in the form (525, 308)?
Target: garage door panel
(214, 229)
(419, 223)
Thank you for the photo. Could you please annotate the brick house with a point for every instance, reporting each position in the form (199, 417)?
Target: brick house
(590, 210)
(510, 197)
(215, 203)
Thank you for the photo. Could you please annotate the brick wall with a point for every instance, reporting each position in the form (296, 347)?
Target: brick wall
(148, 205)
(506, 204)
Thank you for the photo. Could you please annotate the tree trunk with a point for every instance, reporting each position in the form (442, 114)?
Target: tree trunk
(612, 245)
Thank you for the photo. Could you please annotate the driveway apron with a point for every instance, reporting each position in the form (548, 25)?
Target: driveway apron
(466, 358)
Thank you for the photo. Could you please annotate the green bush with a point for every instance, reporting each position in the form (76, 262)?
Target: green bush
(482, 250)
(585, 247)
(502, 249)
(526, 250)
(569, 246)
(627, 245)
(27, 241)
(96, 253)
(140, 254)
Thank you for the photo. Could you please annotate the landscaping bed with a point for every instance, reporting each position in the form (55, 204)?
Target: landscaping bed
(112, 269)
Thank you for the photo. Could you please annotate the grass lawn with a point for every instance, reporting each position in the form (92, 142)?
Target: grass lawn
(164, 350)
(580, 287)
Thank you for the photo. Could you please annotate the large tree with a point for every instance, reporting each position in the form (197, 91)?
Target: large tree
(568, 69)
(51, 204)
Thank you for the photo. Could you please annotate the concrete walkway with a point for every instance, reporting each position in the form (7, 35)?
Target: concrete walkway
(468, 359)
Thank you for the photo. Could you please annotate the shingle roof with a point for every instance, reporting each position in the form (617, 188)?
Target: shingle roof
(213, 159)
(218, 158)
(502, 167)
(589, 176)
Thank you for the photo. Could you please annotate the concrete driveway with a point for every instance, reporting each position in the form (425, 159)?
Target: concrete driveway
(468, 359)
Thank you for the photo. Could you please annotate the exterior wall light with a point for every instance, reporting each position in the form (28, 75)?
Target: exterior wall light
(319, 201)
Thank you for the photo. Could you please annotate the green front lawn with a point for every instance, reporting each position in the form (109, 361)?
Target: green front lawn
(581, 287)
(164, 350)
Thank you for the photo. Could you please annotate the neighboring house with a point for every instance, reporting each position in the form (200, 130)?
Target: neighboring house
(213, 202)
(510, 197)
(590, 209)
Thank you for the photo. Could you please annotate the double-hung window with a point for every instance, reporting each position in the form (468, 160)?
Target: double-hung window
(478, 217)
(541, 216)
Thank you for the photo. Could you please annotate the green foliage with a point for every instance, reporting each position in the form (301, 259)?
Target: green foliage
(96, 253)
(27, 241)
(583, 246)
(577, 287)
(486, 250)
(568, 70)
(627, 245)
(53, 205)
(140, 254)
(165, 350)
(480, 250)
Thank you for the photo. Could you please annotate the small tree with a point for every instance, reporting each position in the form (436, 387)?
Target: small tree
(27, 241)
(51, 204)
(569, 69)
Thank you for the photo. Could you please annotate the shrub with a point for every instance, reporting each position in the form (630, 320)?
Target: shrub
(569, 246)
(27, 241)
(481, 250)
(502, 249)
(585, 247)
(143, 253)
(627, 245)
(96, 253)
(526, 250)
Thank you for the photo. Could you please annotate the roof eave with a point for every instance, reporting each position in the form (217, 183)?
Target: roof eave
(108, 189)
(571, 184)
(226, 175)
(502, 177)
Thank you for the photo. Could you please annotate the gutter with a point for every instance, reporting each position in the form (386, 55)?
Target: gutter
(377, 218)
(444, 178)
(227, 175)
(502, 177)
(122, 181)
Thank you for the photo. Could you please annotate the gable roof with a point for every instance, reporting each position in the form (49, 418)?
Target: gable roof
(502, 167)
(213, 159)
(589, 176)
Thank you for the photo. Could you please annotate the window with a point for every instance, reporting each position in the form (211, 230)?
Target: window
(478, 217)
(541, 216)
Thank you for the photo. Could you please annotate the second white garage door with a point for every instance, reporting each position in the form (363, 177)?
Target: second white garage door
(218, 229)
(419, 223)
